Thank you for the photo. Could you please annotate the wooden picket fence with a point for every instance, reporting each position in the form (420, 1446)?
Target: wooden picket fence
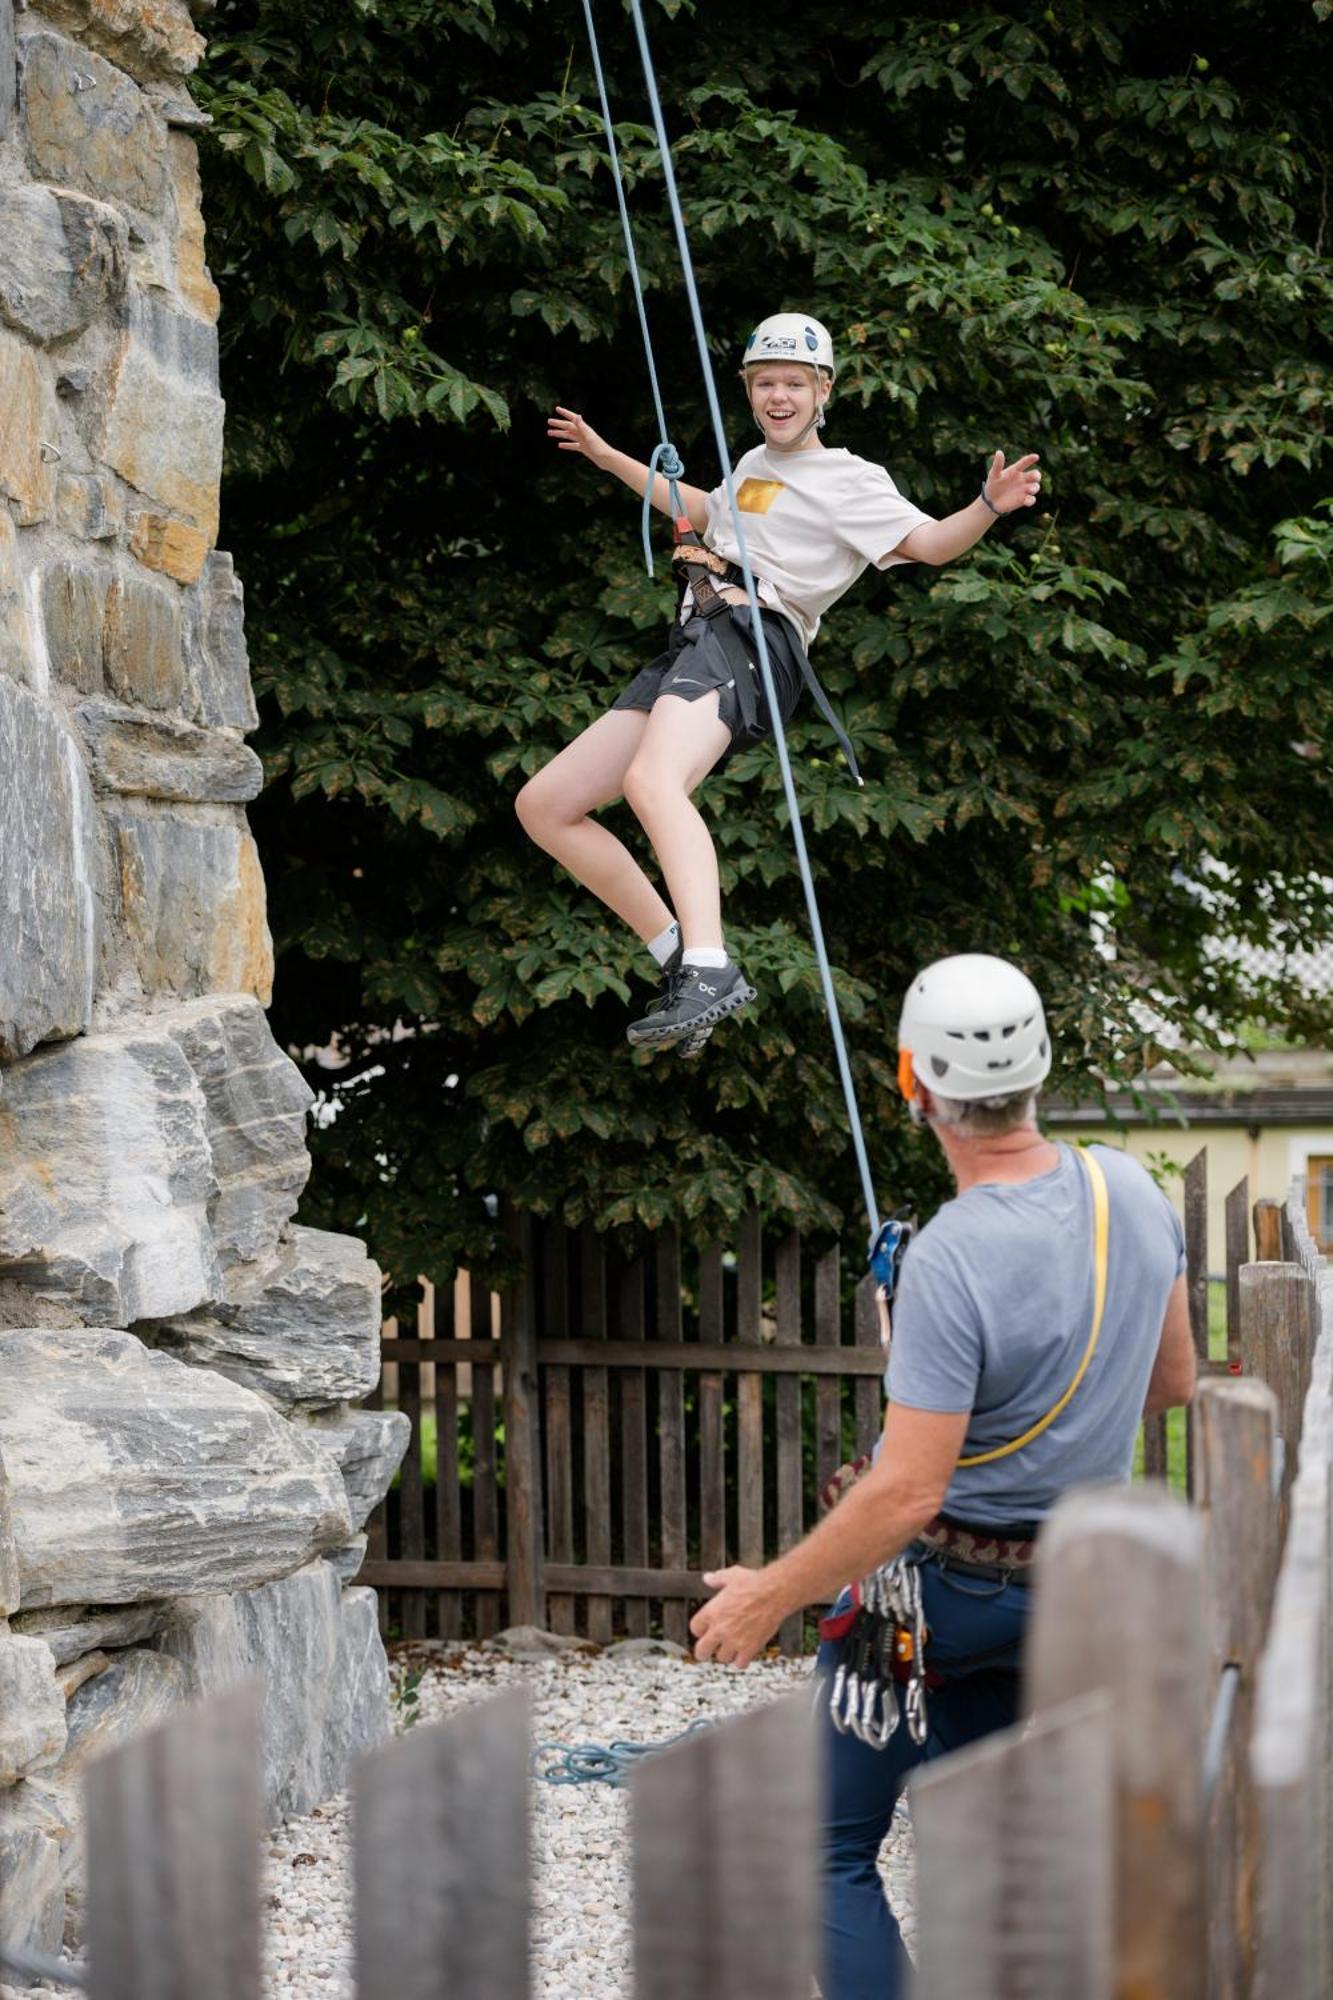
(615, 1426)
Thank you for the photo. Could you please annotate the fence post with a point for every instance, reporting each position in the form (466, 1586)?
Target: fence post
(726, 1871)
(1277, 1345)
(173, 1830)
(1235, 1425)
(1268, 1231)
(1238, 1253)
(523, 1480)
(440, 1850)
(1026, 1821)
(1119, 1605)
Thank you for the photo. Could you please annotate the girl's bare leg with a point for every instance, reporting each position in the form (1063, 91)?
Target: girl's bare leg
(681, 744)
(554, 807)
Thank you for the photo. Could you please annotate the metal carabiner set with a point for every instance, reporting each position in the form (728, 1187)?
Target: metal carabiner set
(885, 1646)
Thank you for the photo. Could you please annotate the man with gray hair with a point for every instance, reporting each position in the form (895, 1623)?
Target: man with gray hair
(1040, 1314)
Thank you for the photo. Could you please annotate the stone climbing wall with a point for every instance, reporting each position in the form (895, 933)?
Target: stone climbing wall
(183, 1474)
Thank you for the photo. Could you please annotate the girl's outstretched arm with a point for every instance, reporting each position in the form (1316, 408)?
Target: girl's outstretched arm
(569, 432)
(1007, 489)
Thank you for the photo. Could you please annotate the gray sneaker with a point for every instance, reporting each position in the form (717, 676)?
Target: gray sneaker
(699, 996)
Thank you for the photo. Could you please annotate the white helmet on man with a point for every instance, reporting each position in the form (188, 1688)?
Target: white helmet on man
(972, 1027)
(791, 337)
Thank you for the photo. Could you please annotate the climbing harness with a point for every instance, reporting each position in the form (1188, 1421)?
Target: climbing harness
(666, 459)
(603, 1763)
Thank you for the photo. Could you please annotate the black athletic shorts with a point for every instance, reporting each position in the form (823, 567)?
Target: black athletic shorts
(699, 658)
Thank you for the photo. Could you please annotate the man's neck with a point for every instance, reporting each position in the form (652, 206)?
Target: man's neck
(1017, 1156)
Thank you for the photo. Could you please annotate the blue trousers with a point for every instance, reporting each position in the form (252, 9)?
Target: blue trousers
(976, 1631)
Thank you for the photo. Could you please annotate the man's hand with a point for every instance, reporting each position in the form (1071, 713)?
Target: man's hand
(568, 430)
(1010, 487)
(736, 1624)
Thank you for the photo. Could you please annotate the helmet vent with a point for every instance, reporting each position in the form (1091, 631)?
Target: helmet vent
(1041, 1047)
(1006, 1062)
(955, 1034)
(981, 1034)
(1012, 1029)
(939, 1065)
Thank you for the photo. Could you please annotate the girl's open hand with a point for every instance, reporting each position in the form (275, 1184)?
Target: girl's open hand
(568, 430)
(1010, 487)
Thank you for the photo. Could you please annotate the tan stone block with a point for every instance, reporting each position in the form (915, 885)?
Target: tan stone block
(163, 426)
(172, 546)
(73, 613)
(88, 126)
(191, 901)
(193, 282)
(141, 643)
(89, 507)
(27, 423)
(17, 648)
(147, 37)
(244, 962)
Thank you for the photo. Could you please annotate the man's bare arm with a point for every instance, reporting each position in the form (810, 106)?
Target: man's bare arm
(570, 432)
(1174, 1372)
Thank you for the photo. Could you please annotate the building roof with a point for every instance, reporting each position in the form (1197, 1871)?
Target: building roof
(1268, 1087)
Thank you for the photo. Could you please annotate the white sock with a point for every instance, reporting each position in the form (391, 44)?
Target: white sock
(707, 957)
(665, 942)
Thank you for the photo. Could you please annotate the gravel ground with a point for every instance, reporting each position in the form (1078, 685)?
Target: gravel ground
(581, 1934)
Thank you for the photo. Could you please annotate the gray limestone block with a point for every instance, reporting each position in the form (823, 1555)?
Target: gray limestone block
(49, 913)
(87, 126)
(31, 420)
(190, 904)
(63, 261)
(256, 1103)
(8, 67)
(32, 1888)
(164, 759)
(134, 1478)
(18, 629)
(73, 599)
(346, 1562)
(149, 38)
(369, 1446)
(163, 415)
(302, 1329)
(73, 1630)
(106, 1178)
(320, 1660)
(9, 1561)
(139, 1689)
(215, 650)
(32, 1708)
(89, 506)
(142, 655)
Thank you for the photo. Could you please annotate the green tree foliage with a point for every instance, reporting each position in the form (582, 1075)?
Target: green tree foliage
(1098, 230)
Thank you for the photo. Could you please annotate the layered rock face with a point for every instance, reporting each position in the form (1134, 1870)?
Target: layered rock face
(183, 1476)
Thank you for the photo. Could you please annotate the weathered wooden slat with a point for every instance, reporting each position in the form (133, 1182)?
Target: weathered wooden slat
(485, 1471)
(1196, 1281)
(828, 1389)
(633, 1445)
(1290, 1759)
(1238, 1253)
(750, 1392)
(790, 1481)
(377, 1527)
(1154, 1446)
(672, 1524)
(522, 1414)
(443, 1904)
(654, 1354)
(411, 1488)
(1119, 1605)
(1267, 1231)
(712, 1438)
(869, 1362)
(726, 1881)
(1027, 1821)
(448, 1486)
(558, 1422)
(596, 1428)
(1277, 1342)
(1235, 1425)
(579, 1579)
(173, 1832)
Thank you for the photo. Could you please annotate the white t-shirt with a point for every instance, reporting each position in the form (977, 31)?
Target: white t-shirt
(814, 520)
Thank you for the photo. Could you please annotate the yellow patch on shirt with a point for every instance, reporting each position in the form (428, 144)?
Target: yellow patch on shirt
(756, 496)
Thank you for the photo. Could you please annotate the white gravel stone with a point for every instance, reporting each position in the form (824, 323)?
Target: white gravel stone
(580, 1833)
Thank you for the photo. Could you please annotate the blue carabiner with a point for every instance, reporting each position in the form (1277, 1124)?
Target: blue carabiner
(888, 1249)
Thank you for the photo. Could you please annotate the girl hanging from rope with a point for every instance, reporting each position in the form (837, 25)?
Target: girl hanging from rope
(815, 518)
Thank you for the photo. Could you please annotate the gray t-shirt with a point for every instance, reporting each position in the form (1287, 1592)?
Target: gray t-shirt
(994, 1310)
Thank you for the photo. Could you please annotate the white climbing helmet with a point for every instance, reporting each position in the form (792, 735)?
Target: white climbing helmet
(972, 1027)
(791, 337)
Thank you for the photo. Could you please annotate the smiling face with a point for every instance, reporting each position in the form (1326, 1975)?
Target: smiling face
(783, 397)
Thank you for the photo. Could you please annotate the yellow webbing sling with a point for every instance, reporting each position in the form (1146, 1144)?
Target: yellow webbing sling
(1101, 1222)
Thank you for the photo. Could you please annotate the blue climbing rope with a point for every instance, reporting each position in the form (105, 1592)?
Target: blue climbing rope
(665, 459)
(603, 1763)
(761, 642)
